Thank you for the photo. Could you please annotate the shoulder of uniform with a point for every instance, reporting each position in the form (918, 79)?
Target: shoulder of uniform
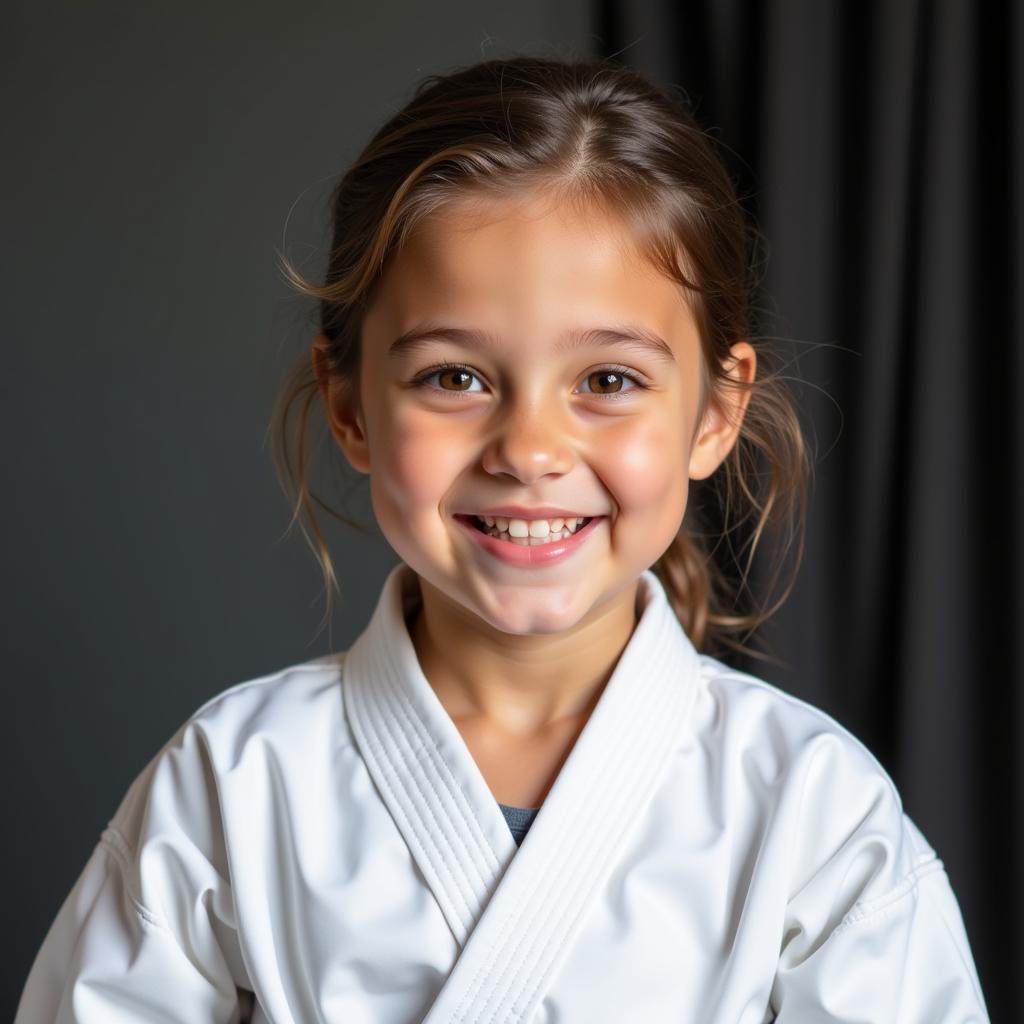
(759, 716)
(273, 689)
(292, 715)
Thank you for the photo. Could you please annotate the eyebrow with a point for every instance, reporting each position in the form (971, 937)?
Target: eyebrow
(630, 335)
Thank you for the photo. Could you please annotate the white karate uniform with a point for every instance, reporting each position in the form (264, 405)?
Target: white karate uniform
(318, 845)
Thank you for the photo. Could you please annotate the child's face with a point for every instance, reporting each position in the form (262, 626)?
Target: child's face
(533, 424)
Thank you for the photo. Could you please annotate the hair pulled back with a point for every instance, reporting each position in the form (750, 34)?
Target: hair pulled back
(587, 132)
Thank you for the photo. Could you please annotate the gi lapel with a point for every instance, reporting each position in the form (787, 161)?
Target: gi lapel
(419, 762)
(515, 914)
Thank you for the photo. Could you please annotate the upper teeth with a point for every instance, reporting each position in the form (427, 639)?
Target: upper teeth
(532, 527)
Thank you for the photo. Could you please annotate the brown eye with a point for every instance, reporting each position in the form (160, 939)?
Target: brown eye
(460, 379)
(605, 382)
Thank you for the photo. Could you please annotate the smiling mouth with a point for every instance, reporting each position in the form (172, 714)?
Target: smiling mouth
(527, 533)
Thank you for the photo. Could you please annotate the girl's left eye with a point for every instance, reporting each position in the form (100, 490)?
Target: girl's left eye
(611, 377)
(614, 377)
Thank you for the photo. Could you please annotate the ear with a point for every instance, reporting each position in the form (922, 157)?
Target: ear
(344, 417)
(723, 418)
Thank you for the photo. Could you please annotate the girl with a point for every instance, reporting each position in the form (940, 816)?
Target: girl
(528, 791)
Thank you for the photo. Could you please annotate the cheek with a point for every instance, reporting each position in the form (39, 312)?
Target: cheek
(645, 471)
(416, 459)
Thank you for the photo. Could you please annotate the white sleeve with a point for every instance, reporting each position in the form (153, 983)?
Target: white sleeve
(148, 930)
(899, 956)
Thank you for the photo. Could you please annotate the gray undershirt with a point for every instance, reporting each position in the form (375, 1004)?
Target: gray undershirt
(519, 820)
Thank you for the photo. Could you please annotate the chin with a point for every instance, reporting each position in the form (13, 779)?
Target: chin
(521, 616)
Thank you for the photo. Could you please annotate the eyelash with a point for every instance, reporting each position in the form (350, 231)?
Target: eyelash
(420, 381)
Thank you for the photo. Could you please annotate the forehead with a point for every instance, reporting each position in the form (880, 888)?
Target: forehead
(528, 266)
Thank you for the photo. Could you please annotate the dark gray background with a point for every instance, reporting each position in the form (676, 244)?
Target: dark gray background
(152, 162)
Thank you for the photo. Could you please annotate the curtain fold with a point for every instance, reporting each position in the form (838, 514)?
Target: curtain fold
(880, 148)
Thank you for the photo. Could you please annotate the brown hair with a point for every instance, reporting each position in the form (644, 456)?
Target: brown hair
(589, 132)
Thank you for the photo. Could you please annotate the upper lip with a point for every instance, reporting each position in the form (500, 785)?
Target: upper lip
(518, 512)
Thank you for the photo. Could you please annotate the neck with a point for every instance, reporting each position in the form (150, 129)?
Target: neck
(518, 685)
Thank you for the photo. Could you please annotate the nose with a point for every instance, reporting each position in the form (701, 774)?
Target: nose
(528, 445)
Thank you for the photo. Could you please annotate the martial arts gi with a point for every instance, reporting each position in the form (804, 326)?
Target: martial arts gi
(318, 845)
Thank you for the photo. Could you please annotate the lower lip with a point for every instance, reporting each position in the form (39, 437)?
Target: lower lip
(530, 555)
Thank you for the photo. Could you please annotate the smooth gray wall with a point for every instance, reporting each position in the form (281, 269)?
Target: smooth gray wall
(152, 160)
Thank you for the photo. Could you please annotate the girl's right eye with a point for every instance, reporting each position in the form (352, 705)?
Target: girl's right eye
(456, 374)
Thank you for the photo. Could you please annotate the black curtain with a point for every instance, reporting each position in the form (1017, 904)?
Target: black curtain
(878, 144)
